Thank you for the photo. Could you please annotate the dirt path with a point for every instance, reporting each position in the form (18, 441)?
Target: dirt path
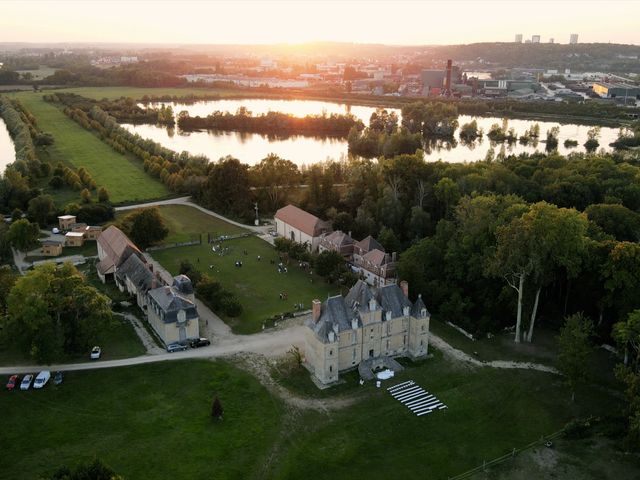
(259, 366)
(453, 352)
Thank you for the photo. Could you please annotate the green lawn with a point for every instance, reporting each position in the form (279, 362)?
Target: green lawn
(185, 223)
(137, 93)
(257, 283)
(489, 413)
(122, 175)
(119, 340)
(150, 421)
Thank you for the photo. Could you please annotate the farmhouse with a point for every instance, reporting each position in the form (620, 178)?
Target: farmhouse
(366, 325)
(299, 226)
(114, 248)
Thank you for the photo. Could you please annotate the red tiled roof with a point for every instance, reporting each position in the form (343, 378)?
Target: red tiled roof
(301, 220)
(117, 248)
(376, 257)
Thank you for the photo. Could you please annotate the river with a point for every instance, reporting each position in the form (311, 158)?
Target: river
(250, 148)
(7, 150)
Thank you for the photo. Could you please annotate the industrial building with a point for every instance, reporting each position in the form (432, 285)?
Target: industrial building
(573, 39)
(535, 38)
(616, 90)
(518, 38)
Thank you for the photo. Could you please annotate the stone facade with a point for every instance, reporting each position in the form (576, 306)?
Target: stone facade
(299, 226)
(366, 324)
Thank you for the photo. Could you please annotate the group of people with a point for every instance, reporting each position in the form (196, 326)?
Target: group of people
(284, 296)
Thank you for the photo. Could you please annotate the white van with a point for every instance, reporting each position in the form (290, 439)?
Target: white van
(42, 379)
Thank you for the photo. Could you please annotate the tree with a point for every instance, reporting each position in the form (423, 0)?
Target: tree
(41, 209)
(23, 235)
(216, 409)
(627, 336)
(103, 195)
(532, 246)
(276, 176)
(53, 311)
(389, 240)
(145, 227)
(85, 194)
(94, 470)
(329, 264)
(227, 188)
(574, 350)
(447, 193)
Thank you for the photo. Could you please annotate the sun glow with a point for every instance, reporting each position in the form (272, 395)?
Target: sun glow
(267, 22)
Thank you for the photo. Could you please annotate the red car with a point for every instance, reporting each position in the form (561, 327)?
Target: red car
(13, 381)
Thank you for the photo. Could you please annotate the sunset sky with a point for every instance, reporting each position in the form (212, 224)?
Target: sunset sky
(250, 22)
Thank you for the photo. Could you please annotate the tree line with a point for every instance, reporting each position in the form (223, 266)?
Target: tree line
(273, 123)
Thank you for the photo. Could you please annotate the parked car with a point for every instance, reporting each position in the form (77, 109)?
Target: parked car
(176, 347)
(26, 382)
(55, 230)
(57, 379)
(200, 342)
(13, 381)
(96, 352)
(42, 379)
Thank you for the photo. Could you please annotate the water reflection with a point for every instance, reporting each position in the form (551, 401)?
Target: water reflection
(7, 151)
(251, 148)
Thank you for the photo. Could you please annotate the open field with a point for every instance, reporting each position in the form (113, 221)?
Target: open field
(119, 340)
(149, 421)
(122, 175)
(137, 93)
(489, 413)
(257, 283)
(136, 418)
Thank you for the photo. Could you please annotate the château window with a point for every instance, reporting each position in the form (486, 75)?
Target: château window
(331, 368)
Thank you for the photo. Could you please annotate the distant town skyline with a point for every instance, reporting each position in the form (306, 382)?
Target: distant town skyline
(269, 22)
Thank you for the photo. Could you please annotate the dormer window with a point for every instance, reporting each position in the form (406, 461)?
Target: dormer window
(388, 315)
(423, 312)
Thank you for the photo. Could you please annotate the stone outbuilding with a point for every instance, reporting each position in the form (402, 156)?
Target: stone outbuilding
(172, 312)
(114, 248)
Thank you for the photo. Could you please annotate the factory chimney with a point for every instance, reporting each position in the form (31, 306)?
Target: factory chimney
(447, 86)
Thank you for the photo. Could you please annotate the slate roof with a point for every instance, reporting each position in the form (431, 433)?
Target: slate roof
(138, 273)
(301, 220)
(392, 299)
(368, 244)
(171, 302)
(337, 312)
(183, 284)
(416, 310)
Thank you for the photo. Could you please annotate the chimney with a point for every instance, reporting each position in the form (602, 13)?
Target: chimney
(154, 283)
(447, 86)
(167, 290)
(404, 285)
(150, 265)
(316, 310)
(372, 305)
(394, 257)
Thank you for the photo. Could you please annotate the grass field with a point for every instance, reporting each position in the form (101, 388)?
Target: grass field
(122, 175)
(119, 340)
(257, 283)
(149, 421)
(137, 93)
(137, 419)
(489, 413)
